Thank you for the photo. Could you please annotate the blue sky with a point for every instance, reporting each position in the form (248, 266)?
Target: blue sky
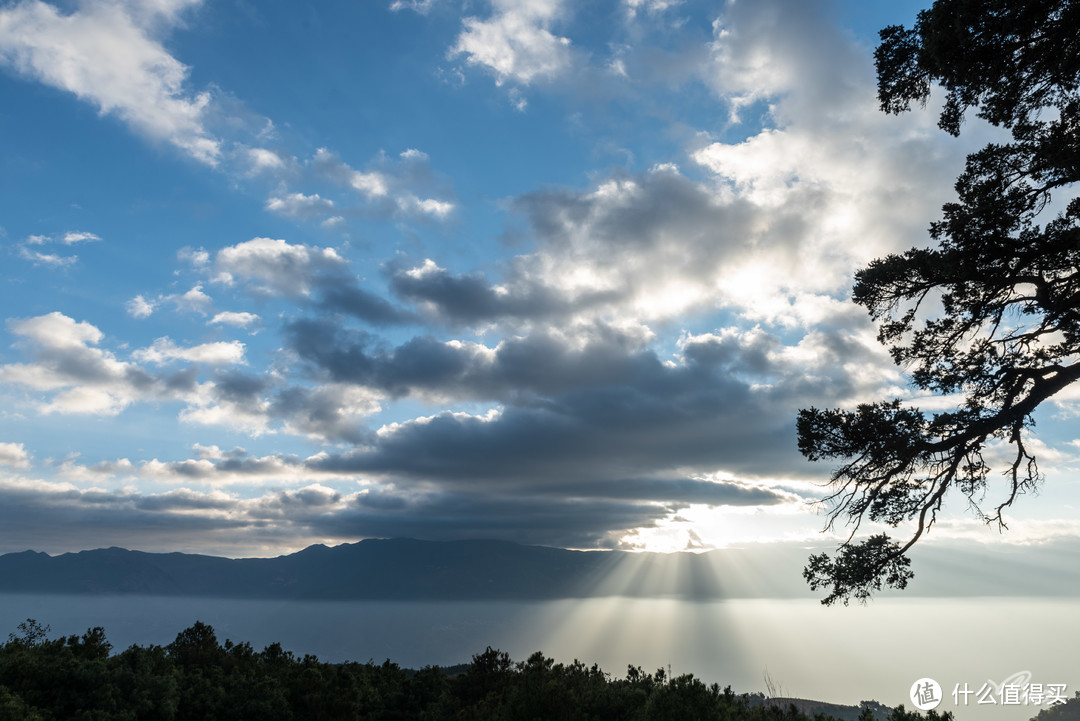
(562, 273)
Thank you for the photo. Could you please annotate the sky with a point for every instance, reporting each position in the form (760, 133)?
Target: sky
(280, 273)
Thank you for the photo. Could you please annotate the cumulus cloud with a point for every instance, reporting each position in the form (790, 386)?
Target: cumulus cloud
(515, 42)
(471, 298)
(328, 412)
(107, 54)
(401, 187)
(165, 350)
(28, 249)
(593, 402)
(78, 377)
(241, 319)
(298, 205)
(651, 247)
(193, 301)
(359, 303)
(14, 455)
(84, 379)
(140, 307)
(263, 160)
(276, 266)
(651, 7)
(418, 6)
(645, 353)
(371, 184)
(774, 235)
(411, 205)
(78, 236)
(52, 260)
(326, 505)
(266, 403)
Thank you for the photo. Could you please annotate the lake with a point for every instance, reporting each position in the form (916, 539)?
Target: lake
(842, 655)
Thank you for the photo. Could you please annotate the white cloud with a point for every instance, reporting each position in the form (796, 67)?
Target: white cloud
(298, 205)
(410, 204)
(193, 301)
(140, 307)
(789, 213)
(389, 187)
(333, 411)
(198, 257)
(240, 320)
(75, 236)
(164, 350)
(250, 416)
(105, 54)
(373, 185)
(214, 453)
(262, 159)
(418, 6)
(14, 455)
(84, 400)
(515, 42)
(652, 7)
(87, 379)
(56, 330)
(50, 259)
(54, 260)
(765, 50)
(278, 267)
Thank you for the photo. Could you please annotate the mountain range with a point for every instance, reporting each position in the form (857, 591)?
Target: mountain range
(400, 569)
(391, 569)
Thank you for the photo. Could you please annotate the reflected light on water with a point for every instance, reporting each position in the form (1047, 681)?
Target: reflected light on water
(840, 655)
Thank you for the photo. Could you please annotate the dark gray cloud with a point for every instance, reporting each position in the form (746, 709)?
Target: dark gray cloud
(677, 490)
(544, 362)
(622, 241)
(83, 377)
(315, 276)
(469, 298)
(359, 303)
(598, 405)
(541, 521)
(402, 187)
(240, 387)
(181, 500)
(51, 518)
(325, 412)
(590, 435)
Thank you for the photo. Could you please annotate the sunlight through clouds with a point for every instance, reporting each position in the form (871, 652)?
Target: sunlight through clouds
(580, 305)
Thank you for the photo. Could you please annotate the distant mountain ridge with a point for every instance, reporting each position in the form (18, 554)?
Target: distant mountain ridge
(369, 569)
(410, 569)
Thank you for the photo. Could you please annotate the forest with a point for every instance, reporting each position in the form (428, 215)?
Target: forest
(197, 677)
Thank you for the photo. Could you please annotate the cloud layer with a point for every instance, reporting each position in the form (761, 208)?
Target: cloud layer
(578, 362)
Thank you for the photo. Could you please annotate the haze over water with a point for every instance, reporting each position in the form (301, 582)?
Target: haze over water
(827, 654)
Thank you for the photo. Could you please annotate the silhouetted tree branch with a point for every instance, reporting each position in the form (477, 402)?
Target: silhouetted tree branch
(1004, 274)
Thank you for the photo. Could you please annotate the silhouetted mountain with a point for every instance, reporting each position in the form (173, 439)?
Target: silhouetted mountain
(398, 569)
(386, 569)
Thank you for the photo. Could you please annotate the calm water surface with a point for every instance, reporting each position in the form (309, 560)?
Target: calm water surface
(842, 655)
